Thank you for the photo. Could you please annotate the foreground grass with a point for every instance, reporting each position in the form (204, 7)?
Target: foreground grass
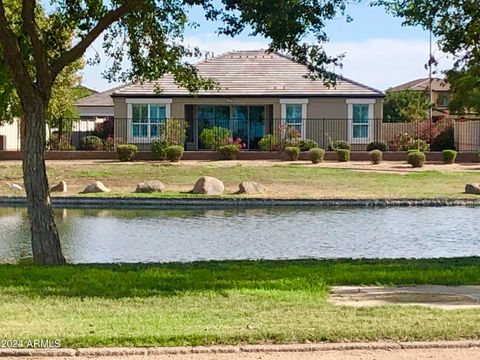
(225, 302)
(300, 181)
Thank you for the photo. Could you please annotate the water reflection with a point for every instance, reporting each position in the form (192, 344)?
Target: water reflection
(100, 235)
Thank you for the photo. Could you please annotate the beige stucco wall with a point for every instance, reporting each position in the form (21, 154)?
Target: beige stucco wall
(333, 113)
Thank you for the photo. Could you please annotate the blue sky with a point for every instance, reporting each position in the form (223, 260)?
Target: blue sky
(379, 51)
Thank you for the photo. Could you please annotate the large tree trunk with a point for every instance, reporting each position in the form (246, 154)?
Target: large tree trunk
(45, 240)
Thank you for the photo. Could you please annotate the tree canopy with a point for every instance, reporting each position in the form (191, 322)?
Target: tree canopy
(405, 106)
(37, 45)
(456, 25)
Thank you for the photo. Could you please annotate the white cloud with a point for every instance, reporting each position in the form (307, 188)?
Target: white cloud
(380, 63)
(383, 63)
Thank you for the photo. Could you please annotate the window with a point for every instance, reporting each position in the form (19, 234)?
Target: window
(243, 121)
(360, 116)
(294, 112)
(360, 121)
(443, 99)
(146, 118)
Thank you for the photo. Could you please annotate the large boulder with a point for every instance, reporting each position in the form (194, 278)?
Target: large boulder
(60, 187)
(472, 189)
(209, 186)
(251, 187)
(96, 187)
(150, 187)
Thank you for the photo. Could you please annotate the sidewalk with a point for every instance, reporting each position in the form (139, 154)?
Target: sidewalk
(464, 350)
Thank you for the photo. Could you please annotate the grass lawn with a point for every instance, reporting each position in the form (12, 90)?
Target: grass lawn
(225, 302)
(287, 181)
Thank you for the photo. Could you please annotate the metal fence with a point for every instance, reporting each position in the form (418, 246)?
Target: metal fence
(251, 134)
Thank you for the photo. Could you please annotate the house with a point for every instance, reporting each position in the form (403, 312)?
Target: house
(10, 135)
(440, 95)
(257, 94)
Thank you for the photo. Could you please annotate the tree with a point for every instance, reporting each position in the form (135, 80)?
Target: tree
(148, 32)
(456, 24)
(405, 106)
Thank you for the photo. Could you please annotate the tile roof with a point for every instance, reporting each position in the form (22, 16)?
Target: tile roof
(423, 84)
(252, 73)
(100, 99)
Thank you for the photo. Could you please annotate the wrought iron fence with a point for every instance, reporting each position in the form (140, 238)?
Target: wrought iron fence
(255, 134)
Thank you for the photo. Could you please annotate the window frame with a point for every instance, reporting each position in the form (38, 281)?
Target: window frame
(142, 139)
(302, 123)
(370, 123)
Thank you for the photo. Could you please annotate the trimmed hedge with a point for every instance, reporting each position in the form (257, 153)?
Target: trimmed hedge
(376, 156)
(343, 155)
(292, 152)
(316, 155)
(127, 152)
(416, 159)
(174, 153)
(449, 156)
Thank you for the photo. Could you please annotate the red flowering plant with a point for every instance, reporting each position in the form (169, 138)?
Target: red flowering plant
(235, 141)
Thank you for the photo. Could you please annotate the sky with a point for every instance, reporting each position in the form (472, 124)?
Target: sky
(379, 51)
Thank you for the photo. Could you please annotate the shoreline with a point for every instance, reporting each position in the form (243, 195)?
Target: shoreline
(234, 202)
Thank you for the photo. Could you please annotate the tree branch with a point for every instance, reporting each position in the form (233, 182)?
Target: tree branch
(13, 58)
(44, 80)
(78, 50)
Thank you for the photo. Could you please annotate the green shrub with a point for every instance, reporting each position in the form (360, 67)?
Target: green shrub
(343, 155)
(174, 152)
(340, 144)
(158, 148)
(292, 152)
(449, 156)
(127, 152)
(307, 144)
(416, 159)
(376, 156)
(229, 152)
(445, 140)
(91, 143)
(214, 137)
(269, 143)
(377, 145)
(316, 155)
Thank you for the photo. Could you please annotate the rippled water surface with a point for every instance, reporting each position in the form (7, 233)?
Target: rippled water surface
(102, 236)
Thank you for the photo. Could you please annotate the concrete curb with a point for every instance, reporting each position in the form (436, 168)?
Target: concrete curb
(119, 352)
(233, 202)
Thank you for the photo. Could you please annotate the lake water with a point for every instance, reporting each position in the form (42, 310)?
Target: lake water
(105, 236)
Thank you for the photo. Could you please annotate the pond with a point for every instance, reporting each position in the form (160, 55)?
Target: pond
(105, 236)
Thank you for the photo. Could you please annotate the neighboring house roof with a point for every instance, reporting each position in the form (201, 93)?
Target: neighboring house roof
(423, 84)
(251, 73)
(100, 99)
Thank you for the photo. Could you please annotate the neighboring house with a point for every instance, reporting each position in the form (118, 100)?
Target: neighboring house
(10, 136)
(440, 95)
(257, 93)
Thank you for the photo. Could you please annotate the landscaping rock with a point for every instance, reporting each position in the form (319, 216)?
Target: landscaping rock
(251, 187)
(209, 186)
(60, 187)
(150, 187)
(96, 187)
(472, 189)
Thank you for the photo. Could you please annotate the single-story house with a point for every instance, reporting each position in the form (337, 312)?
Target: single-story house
(257, 94)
